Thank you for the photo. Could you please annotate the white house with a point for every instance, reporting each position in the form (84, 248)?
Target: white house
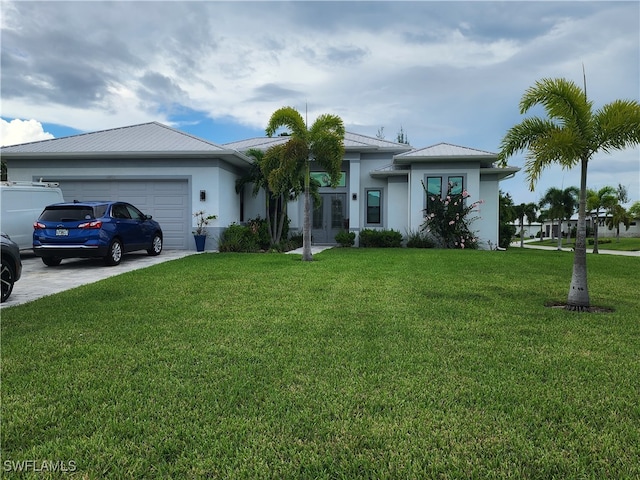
(170, 175)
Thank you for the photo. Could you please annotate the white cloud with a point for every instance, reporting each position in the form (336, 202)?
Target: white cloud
(21, 131)
(444, 71)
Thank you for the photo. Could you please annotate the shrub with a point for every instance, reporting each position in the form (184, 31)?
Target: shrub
(345, 239)
(239, 238)
(295, 241)
(419, 240)
(600, 241)
(447, 219)
(380, 238)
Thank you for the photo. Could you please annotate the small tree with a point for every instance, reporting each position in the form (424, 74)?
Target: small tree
(447, 220)
(507, 214)
(618, 216)
(525, 210)
(604, 198)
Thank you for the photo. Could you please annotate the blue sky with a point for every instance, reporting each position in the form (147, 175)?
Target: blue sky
(442, 71)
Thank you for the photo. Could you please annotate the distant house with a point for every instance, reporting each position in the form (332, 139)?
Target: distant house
(170, 175)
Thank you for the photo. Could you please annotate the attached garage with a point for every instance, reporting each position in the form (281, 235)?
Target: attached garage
(166, 200)
(164, 172)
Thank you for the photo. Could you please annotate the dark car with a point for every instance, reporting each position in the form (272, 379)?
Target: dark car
(94, 229)
(11, 265)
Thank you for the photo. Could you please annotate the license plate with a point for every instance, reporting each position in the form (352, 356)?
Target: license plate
(62, 232)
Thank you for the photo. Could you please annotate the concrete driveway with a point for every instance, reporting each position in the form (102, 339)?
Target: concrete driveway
(38, 280)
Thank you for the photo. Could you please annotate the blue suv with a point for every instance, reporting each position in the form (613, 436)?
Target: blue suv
(94, 229)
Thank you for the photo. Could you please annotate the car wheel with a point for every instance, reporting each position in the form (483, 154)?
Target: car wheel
(156, 245)
(8, 278)
(115, 253)
(51, 261)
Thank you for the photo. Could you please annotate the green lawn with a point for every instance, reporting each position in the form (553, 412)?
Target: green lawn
(365, 363)
(625, 244)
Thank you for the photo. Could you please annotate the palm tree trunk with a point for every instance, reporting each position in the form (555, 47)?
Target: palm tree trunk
(306, 227)
(522, 232)
(578, 298)
(559, 234)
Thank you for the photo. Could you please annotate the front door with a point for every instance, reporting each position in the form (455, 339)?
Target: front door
(328, 218)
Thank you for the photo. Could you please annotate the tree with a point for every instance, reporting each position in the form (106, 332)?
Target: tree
(322, 143)
(525, 210)
(507, 215)
(604, 199)
(634, 210)
(276, 201)
(543, 216)
(618, 215)
(402, 137)
(570, 135)
(562, 204)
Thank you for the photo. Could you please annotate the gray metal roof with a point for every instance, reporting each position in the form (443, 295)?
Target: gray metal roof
(445, 150)
(146, 137)
(352, 141)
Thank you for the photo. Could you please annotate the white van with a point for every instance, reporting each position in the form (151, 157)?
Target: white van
(21, 204)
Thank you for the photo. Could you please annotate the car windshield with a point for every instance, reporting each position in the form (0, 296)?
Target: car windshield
(71, 213)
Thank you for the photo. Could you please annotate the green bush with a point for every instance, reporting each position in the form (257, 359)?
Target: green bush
(345, 239)
(295, 241)
(600, 241)
(239, 238)
(370, 238)
(419, 240)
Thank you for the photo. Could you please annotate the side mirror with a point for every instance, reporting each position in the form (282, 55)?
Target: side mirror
(148, 217)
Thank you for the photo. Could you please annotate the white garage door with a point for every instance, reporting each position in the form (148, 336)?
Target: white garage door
(165, 200)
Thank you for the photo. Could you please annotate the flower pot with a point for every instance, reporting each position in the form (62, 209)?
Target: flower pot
(200, 241)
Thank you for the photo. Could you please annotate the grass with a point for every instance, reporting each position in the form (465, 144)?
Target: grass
(390, 363)
(630, 244)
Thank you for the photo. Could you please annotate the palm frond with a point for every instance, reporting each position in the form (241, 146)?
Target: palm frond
(617, 125)
(562, 99)
(520, 137)
(287, 117)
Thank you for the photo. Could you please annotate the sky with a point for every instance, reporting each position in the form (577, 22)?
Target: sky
(449, 72)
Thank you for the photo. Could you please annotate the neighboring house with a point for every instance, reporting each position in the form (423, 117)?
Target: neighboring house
(530, 230)
(603, 229)
(170, 174)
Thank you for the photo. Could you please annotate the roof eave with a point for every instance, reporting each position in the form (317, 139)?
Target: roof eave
(407, 160)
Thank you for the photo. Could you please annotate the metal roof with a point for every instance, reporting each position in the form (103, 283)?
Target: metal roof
(444, 150)
(146, 137)
(352, 142)
(146, 140)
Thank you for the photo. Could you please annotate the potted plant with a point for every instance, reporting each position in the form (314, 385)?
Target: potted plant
(200, 233)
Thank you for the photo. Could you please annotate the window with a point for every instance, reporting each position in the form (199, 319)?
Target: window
(374, 212)
(438, 187)
(434, 190)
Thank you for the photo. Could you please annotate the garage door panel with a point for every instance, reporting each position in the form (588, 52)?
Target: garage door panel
(165, 201)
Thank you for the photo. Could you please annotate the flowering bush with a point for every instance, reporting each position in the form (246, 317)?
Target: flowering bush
(447, 220)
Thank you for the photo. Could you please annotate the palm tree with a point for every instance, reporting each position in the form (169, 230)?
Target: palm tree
(275, 201)
(322, 143)
(618, 215)
(570, 135)
(543, 216)
(604, 198)
(525, 210)
(562, 204)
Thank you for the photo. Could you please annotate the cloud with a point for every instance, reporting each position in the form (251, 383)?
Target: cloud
(445, 71)
(21, 131)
